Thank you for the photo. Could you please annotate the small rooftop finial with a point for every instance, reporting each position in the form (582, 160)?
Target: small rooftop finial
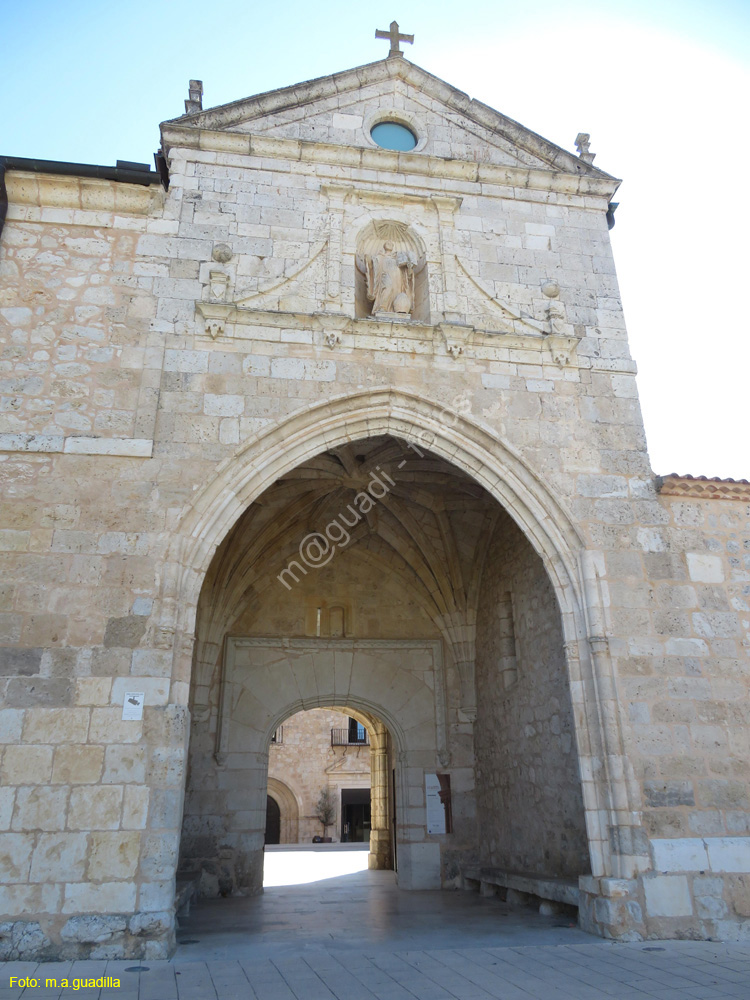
(583, 141)
(195, 97)
(395, 38)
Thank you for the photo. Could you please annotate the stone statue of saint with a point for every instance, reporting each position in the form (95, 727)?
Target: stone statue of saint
(390, 281)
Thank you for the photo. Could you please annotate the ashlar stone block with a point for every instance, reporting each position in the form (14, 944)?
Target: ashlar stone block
(113, 855)
(77, 765)
(680, 855)
(93, 690)
(704, 568)
(56, 725)
(24, 765)
(107, 725)
(15, 857)
(667, 896)
(729, 854)
(7, 800)
(40, 808)
(95, 807)
(58, 856)
(109, 897)
(135, 807)
(123, 764)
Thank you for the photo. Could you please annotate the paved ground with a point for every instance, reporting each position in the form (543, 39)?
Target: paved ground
(357, 937)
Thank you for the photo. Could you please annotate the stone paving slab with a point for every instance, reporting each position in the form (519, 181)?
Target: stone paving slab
(667, 970)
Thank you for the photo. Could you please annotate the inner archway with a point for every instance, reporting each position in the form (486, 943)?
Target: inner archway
(344, 757)
(381, 576)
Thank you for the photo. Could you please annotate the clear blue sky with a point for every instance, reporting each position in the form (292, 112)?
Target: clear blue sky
(662, 86)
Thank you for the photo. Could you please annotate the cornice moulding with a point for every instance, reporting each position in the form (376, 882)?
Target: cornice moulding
(454, 339)
(87, 193)
(304, 151)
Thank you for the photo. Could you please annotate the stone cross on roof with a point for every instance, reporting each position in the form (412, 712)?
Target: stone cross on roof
(395, 38)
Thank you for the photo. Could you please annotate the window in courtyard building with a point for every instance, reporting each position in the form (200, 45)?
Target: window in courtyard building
(357, 732)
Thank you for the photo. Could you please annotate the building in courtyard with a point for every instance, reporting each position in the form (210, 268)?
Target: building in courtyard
(335, 410)
(315, 752)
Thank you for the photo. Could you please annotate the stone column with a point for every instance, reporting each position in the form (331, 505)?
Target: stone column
(380, 813)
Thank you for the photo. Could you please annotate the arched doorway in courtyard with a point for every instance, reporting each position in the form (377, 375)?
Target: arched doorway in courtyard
(273, 822)
(285, 801)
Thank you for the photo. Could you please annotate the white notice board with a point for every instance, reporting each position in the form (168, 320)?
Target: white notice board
(132, 706)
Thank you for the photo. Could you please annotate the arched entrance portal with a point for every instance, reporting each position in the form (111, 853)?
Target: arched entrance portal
(381, 578)
(286, 803)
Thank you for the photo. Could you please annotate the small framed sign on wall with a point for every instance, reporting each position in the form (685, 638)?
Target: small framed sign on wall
(132, 706)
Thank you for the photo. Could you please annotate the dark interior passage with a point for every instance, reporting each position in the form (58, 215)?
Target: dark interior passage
(355, 815)
(273, 821)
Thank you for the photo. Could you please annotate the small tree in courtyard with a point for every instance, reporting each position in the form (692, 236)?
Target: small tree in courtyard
(325, 809)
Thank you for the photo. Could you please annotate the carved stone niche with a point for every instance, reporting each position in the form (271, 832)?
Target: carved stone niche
(390, 280)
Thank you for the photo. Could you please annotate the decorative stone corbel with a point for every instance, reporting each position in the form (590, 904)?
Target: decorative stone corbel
(455, 337)
(561, 349)
(215, 315)
(333, 327)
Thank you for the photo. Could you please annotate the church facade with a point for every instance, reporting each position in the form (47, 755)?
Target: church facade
(303, 421)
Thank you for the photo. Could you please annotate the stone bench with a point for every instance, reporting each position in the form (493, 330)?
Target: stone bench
(521, 888)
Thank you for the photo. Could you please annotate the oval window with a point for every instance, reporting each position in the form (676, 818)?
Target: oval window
(392, 135)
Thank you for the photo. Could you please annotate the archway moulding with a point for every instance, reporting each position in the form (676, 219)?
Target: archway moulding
(289, 808)
(431, 426)
(427, 424)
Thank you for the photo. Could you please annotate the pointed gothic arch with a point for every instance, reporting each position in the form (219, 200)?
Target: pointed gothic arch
(442, 429)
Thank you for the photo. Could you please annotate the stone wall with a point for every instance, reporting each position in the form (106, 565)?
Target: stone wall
(168, 356)
(530, 814)
(680, 642)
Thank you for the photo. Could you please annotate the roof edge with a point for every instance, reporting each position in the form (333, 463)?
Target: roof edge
(701, 487)
(391, 67)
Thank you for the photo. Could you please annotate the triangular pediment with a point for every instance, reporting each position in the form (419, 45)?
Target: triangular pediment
(341, 108)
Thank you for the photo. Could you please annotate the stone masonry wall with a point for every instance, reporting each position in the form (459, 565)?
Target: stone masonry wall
(529, 806)
(681, 646)
(130, 380)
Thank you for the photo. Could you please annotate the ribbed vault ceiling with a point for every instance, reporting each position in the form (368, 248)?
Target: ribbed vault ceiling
(431, 528)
